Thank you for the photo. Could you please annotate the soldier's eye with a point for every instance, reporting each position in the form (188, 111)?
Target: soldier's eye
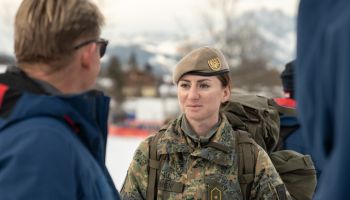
(204, 85)
(184, 85)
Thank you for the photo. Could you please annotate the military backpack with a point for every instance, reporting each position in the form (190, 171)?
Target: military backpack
(256, 119)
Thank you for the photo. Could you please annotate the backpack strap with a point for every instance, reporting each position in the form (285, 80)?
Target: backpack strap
(247, 155)
(154, 167)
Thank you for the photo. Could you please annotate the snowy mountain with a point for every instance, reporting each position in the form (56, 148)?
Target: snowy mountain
(156, 50)
(161, 51)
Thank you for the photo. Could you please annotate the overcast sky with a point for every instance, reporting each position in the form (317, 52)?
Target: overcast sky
(150, 16)
(132, 16)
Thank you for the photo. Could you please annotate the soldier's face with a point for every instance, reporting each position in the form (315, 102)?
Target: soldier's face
(200, 97)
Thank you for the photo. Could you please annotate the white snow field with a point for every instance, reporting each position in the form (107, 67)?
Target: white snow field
(120, 151)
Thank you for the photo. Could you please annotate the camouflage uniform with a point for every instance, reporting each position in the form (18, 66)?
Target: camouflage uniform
(192, 170)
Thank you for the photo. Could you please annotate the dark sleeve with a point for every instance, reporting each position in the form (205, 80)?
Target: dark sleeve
(323, 91)
(331, 136)
(36, 163)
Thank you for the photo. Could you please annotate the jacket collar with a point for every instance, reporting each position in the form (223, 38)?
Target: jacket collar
(174, 140)
(18, 80)
(88, 111)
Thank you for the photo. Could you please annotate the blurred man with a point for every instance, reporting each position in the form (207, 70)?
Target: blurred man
(289, 124)
(323, 90)
(52, 127)
(290, 134)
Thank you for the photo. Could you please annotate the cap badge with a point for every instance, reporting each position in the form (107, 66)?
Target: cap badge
(214, 64)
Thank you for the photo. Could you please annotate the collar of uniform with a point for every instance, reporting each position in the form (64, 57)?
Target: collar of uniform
(173, 139)
(223, 137)
(188, 131)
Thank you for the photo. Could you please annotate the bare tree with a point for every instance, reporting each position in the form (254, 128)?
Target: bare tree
(237, 39)
(247, 51)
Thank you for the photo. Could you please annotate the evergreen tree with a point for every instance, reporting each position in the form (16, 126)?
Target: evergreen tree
(115, 73)
(133, 62)
(148, 68)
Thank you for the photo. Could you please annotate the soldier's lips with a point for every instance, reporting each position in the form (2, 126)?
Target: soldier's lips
(194, 107)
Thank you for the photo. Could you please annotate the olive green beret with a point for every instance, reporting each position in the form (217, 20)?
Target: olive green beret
(204, 61)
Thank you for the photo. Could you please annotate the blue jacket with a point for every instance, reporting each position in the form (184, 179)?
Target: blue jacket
(290, 130)
(323, 90)
(294, 140)
(53, 147)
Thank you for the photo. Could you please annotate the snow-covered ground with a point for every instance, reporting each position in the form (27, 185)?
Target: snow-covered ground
(120, 151)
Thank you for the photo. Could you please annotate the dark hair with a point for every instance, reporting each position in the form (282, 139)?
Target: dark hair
(287, 77)
(225, 80)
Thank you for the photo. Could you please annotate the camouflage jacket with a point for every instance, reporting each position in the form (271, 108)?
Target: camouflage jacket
(203, 172)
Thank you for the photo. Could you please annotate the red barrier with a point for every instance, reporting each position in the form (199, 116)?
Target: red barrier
(114, 130)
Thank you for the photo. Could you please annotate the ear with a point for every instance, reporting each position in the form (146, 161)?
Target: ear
(87, 56)
(226, 95)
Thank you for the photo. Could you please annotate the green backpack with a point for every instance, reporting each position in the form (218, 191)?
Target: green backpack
(256, 120)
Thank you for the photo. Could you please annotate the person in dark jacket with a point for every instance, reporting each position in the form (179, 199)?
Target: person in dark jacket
(290, 126)
(53, 128)
(323, 90)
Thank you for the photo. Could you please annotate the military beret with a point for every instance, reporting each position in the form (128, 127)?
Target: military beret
(204, 61)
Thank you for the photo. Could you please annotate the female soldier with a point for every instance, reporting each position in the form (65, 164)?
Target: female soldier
(197, 150)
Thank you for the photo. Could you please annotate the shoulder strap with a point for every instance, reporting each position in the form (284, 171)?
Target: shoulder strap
(247, 156)
(154, 166)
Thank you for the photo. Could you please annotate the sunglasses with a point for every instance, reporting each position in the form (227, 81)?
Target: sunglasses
(103, 45)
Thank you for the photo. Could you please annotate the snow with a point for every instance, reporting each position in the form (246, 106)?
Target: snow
(2, 68)
(152, 109)
(120, 151)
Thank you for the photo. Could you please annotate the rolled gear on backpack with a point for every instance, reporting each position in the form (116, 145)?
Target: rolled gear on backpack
(297, 172)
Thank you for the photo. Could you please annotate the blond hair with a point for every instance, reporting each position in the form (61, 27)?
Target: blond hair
(46, 30)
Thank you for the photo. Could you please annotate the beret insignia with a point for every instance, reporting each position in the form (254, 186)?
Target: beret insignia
(214, 64)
